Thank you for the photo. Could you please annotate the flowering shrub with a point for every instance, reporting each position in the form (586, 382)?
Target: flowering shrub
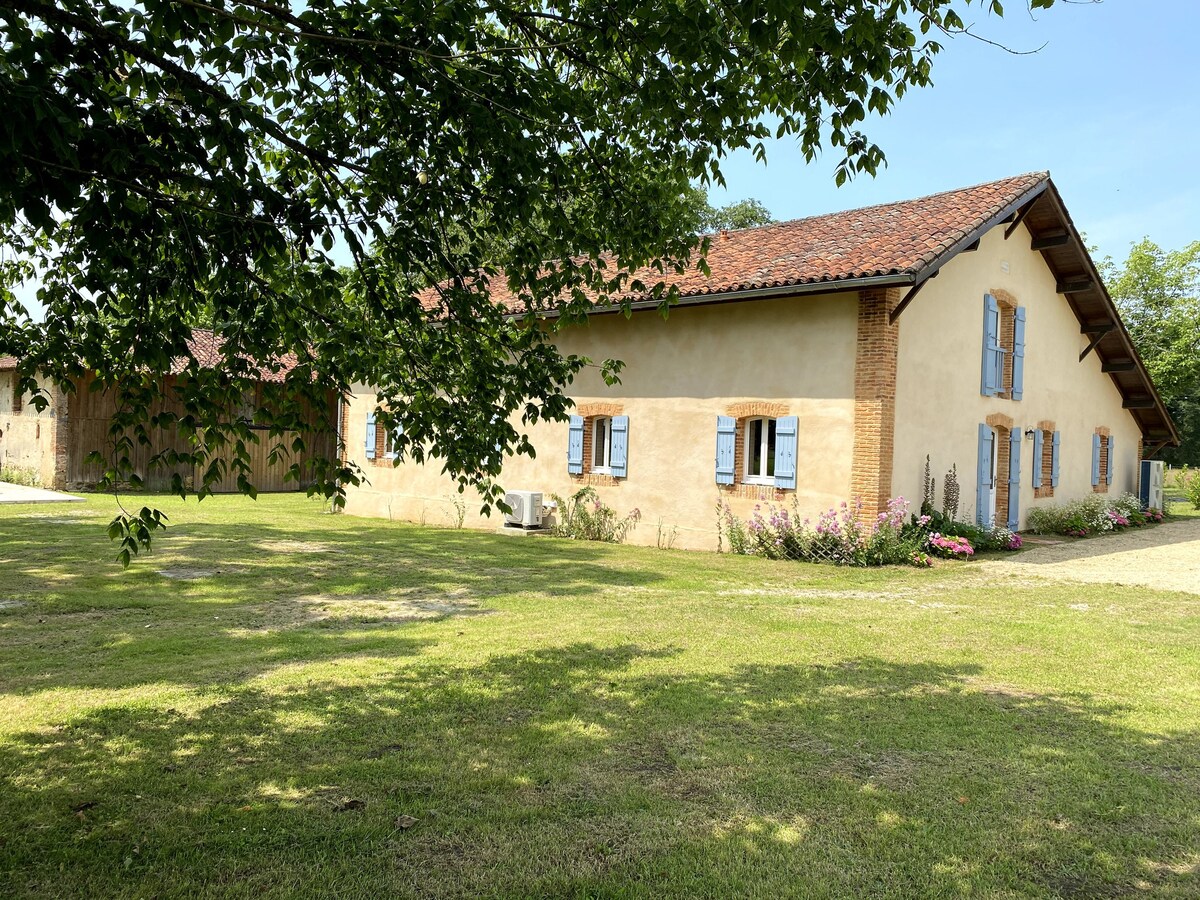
(995, 538)
(838, 536)
(586, 518)
(1096, 514)
(1118, 520)
(950, 546)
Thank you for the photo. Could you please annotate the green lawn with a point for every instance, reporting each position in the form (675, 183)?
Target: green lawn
(251, 709)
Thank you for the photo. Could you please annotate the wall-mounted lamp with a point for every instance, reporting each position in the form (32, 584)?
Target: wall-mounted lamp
(1029, 434)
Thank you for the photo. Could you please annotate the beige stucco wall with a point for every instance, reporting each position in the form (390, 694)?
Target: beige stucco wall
(29, 439)
(938, 401)
(680, 375)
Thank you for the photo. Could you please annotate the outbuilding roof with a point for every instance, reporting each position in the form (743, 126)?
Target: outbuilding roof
(206, 348)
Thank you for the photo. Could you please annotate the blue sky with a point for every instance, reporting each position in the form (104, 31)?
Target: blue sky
(1110, 106)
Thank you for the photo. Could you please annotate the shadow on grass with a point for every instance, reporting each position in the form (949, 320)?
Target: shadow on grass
(585, 771)
(216, 603)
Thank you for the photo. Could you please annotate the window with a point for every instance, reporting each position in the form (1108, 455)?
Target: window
(757, 450)
(1003, 349)
(1102, 460)
(389, 442)
(381, 443)
(247, 407)
(598, 445)
(17, 398)
(1045, 461)
(760, 451)
(602, 445)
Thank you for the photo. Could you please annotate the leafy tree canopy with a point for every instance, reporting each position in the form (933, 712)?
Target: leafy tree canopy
(166, 160)
(1158, 293)
(704, 218)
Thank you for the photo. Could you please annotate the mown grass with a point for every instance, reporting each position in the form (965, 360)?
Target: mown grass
(251, 709)
(1177, 503)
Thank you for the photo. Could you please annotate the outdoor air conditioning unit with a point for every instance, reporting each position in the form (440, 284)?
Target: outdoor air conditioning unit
(1152, 484)
(526, 509)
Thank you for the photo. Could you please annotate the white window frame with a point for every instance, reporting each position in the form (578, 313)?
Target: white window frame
(749, 477)
(389, 442)
(605, 446)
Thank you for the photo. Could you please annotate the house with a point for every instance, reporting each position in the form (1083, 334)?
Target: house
(54, 444)
(825, 359)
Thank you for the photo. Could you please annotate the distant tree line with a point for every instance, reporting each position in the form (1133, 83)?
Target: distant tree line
(1158, 293)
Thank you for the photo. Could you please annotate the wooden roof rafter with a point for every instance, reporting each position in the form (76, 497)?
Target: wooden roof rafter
(1054, 234)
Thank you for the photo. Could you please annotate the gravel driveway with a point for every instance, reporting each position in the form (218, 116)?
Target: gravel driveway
(19, 493)
(1165, 557)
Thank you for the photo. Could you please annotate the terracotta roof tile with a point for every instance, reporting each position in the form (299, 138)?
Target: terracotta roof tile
(888, 239)
(206, 347)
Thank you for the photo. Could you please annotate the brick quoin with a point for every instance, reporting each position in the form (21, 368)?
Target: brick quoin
(62, 436)
(874, 401)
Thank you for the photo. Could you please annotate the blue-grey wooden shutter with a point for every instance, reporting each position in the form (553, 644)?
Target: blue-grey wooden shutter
(575, 446)
(1108, 470)
(1039, 443)
(1054, 461)
(1095, 459)
(1018, 375)
(991, 347)
(370, 441)
(1014, 478)
(618, 456)
(397, 431)
(984, 479)
(726, 445)
(786, 428)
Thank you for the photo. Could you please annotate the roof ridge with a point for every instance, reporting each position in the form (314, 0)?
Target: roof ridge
(1043, 175)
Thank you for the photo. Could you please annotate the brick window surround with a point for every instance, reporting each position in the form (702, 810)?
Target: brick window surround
(1004, 426)
(590, 412)
(1008, 309)
(1046, 427)
(1101, 487)
(744, 412)
(381, 447)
